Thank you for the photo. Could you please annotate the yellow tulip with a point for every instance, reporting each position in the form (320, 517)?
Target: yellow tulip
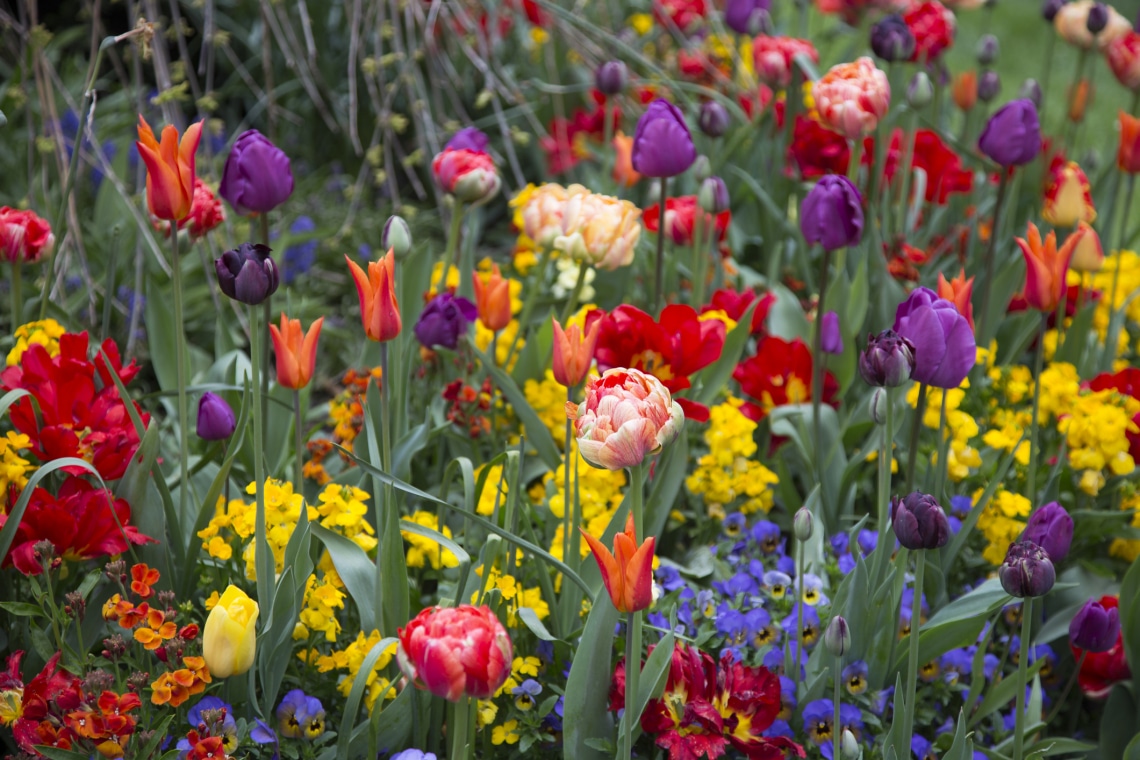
(230, 639)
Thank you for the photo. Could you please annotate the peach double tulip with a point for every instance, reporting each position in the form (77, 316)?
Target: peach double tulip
(852, 97)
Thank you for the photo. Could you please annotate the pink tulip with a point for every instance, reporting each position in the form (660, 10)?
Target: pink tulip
(456, 652)
(627, 415)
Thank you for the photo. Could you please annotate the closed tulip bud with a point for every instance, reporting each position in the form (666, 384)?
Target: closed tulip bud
(713, 118)
(1050, 8)
(1097, 18)
(878, 405)
(831, 214)
(989, 85)
(891, 39)
(741, 15)
(296, 351)
(1095, 628)
(987, 50)
(849, 746)
(229, 640)
(887, 361)
(1031, 91)
(919, 522)
(627, 572)
(702, 169)
(1027, 571)
(831, 339)
(396, 237)
(216, 421)
(837, 637)
(713, 196)
(803, 524)
(920, 91)
(1051, 528)
(376, 289)
(611, 77)
(248, 273)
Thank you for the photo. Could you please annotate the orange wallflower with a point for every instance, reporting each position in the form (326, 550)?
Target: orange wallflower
(958, 292)
(142, 578)
(628, 572)
(296, 351)
(493, 299)
(379, 310)
(169, 169)
(1046, 267)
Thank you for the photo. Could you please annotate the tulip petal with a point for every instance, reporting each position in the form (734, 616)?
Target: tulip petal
(611, 573)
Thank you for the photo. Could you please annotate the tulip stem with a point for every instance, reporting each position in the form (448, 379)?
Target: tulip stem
(459, 736)
(108, 286)
(263, 559)
(987, 283)
(912, 660)
(1068, 686)
(1034, 448)
(1113, 322)
(886, 453)
(1049, 44)
(659, 274)
(298, 420)
(576, 293)
(801, 550)
(817, 366)
(18, 295)
(568, 521)
(910, 137)
(180, 369)
(452, 252)
(264, 221)
(915, 425)
(632, 678)
(1022, 677)
(943, 450)
(697, 270)
(637, 498)
(836, 726)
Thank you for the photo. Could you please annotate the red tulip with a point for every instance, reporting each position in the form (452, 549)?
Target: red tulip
(456, 652)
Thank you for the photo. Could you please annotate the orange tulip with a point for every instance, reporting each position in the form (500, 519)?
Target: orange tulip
(493, 299)
(624, 173)
(1128, 154)
(958, 291)
(379, 310)
(628, 572)
(965, 90)
(1046, 267)
(573, 354)
(296, 351)
(169, 169)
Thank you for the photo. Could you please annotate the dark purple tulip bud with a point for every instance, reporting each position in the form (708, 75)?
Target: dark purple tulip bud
(989, 85)
(216, 421)
(396, 236)
(611, 77)
(1027, 571)
(919, 522)
(832, 213)
(713, 118)
(247, 273)
(1051, 528)
(662, 145)
(944, 345)
(443, 320)
(713, 196)
(1031, 91)
(891, 38)
(920, 91)
(1050, 9)
(1012, 136)
(832, 339)
(1097, 19)
(257, 177)
(837, 637)
(887, 361)
(987, 50)
(741, 15)
(468, 138)
(1095, 628)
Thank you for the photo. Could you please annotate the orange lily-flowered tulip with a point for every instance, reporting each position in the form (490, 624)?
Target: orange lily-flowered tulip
(1068, 196)
(1128, 154)
(958, 291)
(1046, 267)
(1088, 256)
(296, 351)
(379, 310)
(574, 353)
(628, 572)
(493, 299)
(624, 173)
(169, 169)
(964, 91)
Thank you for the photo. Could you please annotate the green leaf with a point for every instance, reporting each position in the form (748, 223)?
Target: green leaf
(356, 570)
(1118, 722)
(530, 618)
(1002, 694)
(23, 609)
(712, 379)
(957, 624)
(12, 397)
(392, 725)
(55, 753)
(352, 705)
(1132, 751)
(786, 319)
(447, 543)
(160, 329)
(536, 431)
(1063, 746)
(962, 747)
(1130, 614)
(535, 355)
(585, 715)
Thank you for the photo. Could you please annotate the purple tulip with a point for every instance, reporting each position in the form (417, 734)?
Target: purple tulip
(713, 118)
(832, 342)
(1051, 528)
(468, 138)
(443, 320)
(887, 361)
(989, 85)
(944, 346)
(662, 145)
(257, 177)
(216, 421)
(1097, 19)
(247, 273)
(1012, 136)
(919, 522)
(891, 39)
(832, 213)
(1095, 628)
(611, 77)
(1027, 571)
(1050, 9)
(738, 14)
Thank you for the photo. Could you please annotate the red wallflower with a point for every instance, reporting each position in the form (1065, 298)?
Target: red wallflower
(735, 304)
(79, 523)
(708, 707)
(680, 218)
(679, 12)
(780, 374)
(671, 350)
(933, 27)
(79, 419)
(1103, 669)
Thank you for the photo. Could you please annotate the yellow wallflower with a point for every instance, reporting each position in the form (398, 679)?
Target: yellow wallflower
(641, 23)
(729, 473)
(999, 522)
(425, 549)
(1123, 548)
(14, 469)
(44, 333)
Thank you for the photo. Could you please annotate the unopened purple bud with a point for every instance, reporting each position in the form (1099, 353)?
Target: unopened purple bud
(247, 273)
(216, 420)
(887, 361)
(611, 77)
(1097, 19)
(987, 50)
(920, 91)
(257, 177)
(919, 521)
(1027, 571)
(831, 214)
(1050, 9)
(713, 196)
(1031, 91)
(831, 338)
(891, 39)
(396, 236)
(837, 637)
(713, 118)
(989, 85)
(1095, 628)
